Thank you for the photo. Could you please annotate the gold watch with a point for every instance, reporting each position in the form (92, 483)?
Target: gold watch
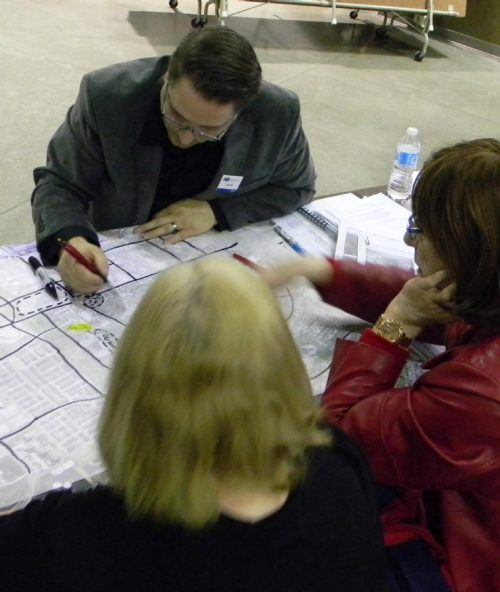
(392, 331)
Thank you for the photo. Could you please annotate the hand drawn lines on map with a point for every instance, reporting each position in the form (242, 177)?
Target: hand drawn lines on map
(30, 304)
(6, 471)
(55, 356)
(37, 302)
(145, 258)
(50, 444)
(44, 396)
(55, 352)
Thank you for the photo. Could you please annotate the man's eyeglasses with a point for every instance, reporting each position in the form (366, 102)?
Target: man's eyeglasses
(183, 126)
(412, 228)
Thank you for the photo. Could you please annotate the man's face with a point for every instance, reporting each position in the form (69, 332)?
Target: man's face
(191, 119)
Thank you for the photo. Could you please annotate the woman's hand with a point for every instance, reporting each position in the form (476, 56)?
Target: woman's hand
(423, 301)
(317, 271)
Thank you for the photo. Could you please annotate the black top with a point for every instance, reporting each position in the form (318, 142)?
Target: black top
(184, 171)
(325, 538)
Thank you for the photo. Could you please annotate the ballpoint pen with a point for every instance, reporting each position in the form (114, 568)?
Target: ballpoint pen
(77, 256)
(289, 240)
(44, 278)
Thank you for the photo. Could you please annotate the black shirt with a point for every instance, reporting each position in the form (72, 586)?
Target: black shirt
(326, 538)
(184, 171)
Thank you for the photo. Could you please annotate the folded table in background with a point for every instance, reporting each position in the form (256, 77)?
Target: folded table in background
(416, 15)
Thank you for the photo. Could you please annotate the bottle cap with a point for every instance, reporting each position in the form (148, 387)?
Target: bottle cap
(412, 131)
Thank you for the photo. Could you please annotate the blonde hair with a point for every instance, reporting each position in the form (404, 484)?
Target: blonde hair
(207, 385)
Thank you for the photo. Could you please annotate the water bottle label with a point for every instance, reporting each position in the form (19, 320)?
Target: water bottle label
(408, 159)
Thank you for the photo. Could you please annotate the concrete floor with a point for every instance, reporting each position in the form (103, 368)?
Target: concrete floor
(358, 94)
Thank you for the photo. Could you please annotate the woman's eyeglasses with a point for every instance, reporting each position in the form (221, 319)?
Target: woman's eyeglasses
(412, 228)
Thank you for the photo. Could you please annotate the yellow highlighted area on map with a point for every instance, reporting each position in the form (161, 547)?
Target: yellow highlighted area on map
(81, 327)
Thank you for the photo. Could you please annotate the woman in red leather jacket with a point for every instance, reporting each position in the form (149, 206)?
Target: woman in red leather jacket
(442, 433)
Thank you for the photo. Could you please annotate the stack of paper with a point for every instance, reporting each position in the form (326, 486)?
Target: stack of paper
(366, 230)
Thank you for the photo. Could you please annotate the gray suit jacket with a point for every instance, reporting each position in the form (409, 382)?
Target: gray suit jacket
(98, 176)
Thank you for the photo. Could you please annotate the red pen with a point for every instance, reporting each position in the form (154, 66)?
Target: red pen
(77, 256)
(247, 262)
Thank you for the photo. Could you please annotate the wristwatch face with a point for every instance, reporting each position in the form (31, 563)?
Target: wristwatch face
(391, 330)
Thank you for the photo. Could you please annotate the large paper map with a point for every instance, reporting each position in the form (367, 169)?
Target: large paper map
(55, 356)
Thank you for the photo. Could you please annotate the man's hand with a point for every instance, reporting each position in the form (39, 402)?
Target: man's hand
(185, 218)
(423, 301)
(77, 277)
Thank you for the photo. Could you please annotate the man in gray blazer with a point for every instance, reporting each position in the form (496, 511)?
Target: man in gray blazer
(176, 146)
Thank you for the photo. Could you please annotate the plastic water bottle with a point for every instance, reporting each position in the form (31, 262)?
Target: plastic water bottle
(405, 162)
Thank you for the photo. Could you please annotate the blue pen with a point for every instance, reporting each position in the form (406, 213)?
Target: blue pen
(289, 240)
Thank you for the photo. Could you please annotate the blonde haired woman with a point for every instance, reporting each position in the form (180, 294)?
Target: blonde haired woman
(220, 476)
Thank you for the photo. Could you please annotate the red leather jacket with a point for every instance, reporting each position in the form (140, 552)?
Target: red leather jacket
(440, 434)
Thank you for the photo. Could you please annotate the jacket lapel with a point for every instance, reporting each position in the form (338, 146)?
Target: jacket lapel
(236, 151)
(148, 163)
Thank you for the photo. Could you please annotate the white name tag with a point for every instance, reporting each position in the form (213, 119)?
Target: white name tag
(229, 183)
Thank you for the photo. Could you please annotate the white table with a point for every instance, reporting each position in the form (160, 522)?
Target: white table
(55, 356)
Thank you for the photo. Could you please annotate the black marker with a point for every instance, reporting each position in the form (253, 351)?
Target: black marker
(41, 274)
